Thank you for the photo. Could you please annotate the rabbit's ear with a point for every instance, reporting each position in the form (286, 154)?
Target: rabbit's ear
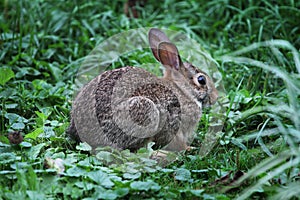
(169, 55)
(155, 37)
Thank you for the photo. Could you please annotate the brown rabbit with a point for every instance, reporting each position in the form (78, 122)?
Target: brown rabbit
(128, 107)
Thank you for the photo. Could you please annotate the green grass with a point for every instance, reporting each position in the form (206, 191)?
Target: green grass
(256, 48)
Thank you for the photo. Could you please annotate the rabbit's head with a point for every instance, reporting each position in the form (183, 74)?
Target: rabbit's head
(200, 86)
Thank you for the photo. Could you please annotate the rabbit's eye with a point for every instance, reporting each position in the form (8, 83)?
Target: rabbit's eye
(201, 80)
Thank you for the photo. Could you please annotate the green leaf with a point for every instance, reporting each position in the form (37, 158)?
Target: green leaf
(48, 132)
(16, 121)
(85, 185)
(145, 186)
(35, 195)
(54, 123)
(108, 155)
(50, 184)
(121, 191)
(41, 115)
(197, 192)
(105, 156)
(55, 71)
(35, 151)
(182, 174)
(19, 165)
(84, 147)
(85, 163)
(76, 172)
(132, 176)
(15, 118)
(72, 191)
(25, 144)
(8, 93)
(32, 180)
(34, 134)
(101, 178)
(4, 141)
(7, 158)
(15, 195)
(22, 71)
(18, 126)
(3, 172)
(101, 193)
(41, 85)
(5, 75)
(11, 105)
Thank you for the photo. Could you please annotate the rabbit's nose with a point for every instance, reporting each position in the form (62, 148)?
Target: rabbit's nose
(213, 97)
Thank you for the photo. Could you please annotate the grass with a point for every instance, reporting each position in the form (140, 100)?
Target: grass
(255, 46)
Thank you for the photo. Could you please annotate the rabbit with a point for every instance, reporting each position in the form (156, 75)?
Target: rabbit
(127, 108)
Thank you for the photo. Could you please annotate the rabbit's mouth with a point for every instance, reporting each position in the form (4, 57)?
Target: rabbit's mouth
(202, 98)
(205, 100)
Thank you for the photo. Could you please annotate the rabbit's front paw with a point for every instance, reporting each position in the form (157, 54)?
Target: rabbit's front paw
(190, 148)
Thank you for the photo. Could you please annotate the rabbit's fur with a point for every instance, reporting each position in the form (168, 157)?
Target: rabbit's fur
(128, 107)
